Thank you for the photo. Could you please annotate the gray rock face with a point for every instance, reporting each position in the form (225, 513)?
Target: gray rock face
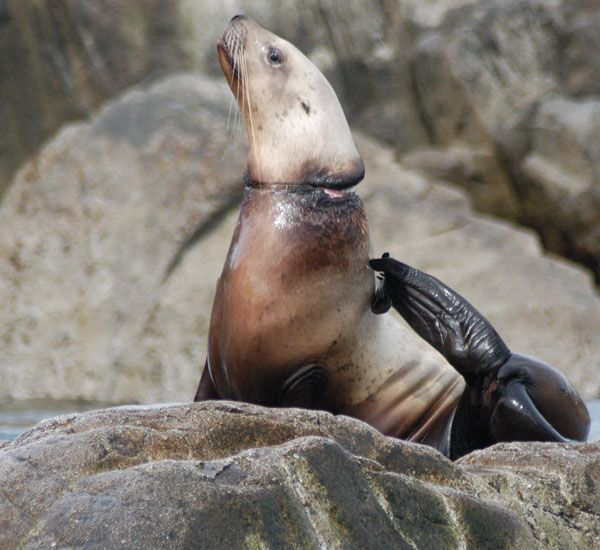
(90, 228)
(223, 475)
(559, 176)
(59, 60)
(517, 82)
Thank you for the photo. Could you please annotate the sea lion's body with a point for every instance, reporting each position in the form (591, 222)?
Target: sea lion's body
(295, 318)
(296, 290)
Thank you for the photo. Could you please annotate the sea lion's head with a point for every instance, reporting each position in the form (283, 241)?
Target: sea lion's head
(296, 128)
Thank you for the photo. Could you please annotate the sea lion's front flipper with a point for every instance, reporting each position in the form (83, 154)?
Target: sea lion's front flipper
(206, 388)
(440, 316)
(509, 397)
(305, 388)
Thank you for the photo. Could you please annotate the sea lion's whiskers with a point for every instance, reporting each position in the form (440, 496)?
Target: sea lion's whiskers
(239, 60)
(228, 46)
(233, 127)
(249, 107)
(230, 129)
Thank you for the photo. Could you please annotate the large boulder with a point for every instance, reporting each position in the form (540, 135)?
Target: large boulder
(509, 93)
(223, 475)
(91, 228)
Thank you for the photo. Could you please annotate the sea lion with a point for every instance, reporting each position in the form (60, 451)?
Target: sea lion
(292, 321)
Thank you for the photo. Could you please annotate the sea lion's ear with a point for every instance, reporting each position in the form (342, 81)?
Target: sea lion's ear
(442, 317)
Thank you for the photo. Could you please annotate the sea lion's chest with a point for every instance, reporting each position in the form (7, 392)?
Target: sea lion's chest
(294, 289)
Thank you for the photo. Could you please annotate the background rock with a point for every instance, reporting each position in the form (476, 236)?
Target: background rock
(60, 60)
(226, 474)
(89, 230)
(558, 176)
(510, 81)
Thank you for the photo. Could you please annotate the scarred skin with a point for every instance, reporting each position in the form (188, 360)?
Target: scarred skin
(295, 321)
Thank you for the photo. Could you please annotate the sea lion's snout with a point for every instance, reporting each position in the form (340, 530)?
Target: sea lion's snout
(229, 48)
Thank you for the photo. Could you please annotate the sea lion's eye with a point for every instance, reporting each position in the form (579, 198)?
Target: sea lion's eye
(274, 56)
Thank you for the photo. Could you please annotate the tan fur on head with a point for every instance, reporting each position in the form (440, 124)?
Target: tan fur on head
(296, 127)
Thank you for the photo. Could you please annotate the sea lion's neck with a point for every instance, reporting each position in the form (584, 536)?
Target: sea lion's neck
(306, 218)
(295, 281)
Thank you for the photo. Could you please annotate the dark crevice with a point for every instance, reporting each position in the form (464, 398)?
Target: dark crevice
(202, 229)
(419, 104)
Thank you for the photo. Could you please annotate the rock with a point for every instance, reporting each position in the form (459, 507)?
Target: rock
(60, 60)
(490, 77)
(478, 171)
(579, 61)
(221, 474)
(475, 76)
(431, 13)
(90, 229)
(559, 177)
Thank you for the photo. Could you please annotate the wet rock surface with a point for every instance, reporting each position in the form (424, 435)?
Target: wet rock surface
(217, 475)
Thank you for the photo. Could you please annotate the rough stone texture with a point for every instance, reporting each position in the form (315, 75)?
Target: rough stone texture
(59, 60)
(477, 170)
(558, 174)
(223, 475)
(518, 81)
(90, 228)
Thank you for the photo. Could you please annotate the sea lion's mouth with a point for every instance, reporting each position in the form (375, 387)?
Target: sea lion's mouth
(227, 62)
(337, 193)
(337, 186)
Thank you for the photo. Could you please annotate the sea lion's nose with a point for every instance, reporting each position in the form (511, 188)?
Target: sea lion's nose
(238, 16)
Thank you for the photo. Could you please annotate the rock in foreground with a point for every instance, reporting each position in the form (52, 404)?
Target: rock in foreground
(231, 475)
